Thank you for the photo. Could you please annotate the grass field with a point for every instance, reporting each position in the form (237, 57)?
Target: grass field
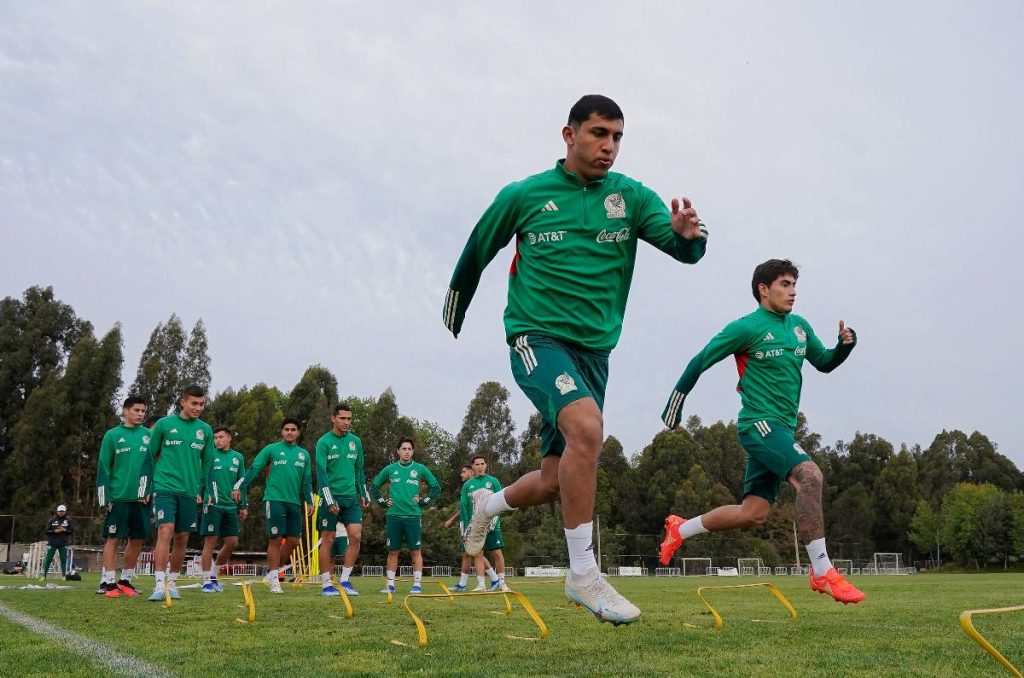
(907, 626)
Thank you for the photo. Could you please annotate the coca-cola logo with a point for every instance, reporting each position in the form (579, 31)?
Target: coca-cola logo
(620, 235)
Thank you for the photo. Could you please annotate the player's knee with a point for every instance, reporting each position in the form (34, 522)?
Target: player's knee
(756, 518)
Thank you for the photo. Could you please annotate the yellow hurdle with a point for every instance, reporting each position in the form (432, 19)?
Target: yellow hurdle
(719, 622)
(422, 630)
(968, 626)
(250, 604)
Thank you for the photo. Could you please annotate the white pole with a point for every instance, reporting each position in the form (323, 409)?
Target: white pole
(796, 545)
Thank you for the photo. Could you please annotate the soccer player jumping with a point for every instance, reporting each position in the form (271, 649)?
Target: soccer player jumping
(576, 228)
(769, 345)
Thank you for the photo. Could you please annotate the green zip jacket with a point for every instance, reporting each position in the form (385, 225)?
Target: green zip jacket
(405, 480)
(181, 450)
(339, 467)
(769, 349)
(226, 467)
(575, 252)
(289, 474)
(125, 467)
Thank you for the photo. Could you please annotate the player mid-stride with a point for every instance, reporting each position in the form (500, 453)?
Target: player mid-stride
(576, 228)
(770, 346)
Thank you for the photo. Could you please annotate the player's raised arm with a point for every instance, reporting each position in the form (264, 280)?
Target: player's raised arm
(827, 359)
(732, 339)
(493, 232)
(679, 233)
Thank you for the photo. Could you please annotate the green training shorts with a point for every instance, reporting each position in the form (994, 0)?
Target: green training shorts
(127, 520)
(405, 530)
(349, 512)
(771, 455)
(219, 522)
(283, 519)
(178, 509)
(552, 374)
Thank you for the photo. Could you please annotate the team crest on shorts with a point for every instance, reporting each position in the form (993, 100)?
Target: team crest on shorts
(615, 206)
(273, 530)
(796, 446)
(564, 383)
(801, 336)
(112, 529)
(160, 514)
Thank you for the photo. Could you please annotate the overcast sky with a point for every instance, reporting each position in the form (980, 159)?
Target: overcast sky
(303, 177)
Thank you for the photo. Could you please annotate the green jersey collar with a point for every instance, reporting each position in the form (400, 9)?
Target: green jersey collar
(572, 177)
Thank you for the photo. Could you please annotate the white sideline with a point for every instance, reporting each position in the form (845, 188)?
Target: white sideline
(120, 663)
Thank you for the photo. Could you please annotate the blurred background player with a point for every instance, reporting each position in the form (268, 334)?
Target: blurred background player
(220, 511)
(494, 542)
(180, 445)
(405, 506)
(58, 530)
(289, 487)
(341, 477)
(770, 346)
(123, 491)
(577, 227)
(465, 473)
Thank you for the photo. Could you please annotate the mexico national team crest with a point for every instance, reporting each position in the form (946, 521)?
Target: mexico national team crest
(145, 440)
(199, 435)
(352, 445)
(413, 474)
(564, 383)
(801, 336)
(615, 206)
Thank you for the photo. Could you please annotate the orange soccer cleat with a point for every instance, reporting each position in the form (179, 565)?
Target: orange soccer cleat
(836, 585)
(672, 540)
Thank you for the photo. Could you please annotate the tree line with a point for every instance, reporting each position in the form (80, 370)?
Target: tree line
(957, 499)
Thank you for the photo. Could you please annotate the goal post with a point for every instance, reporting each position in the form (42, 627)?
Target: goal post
(695, 566)
(889, 563)
(748, 567)
(843, 566)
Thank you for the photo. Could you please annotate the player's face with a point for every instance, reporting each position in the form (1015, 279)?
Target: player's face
(479, 467)
(780, 295)
(466, 474)
(134, 415)
(342, 422)
(222, 440)
(192, 406)
(290, 433)
(405, 452)
(591, 150)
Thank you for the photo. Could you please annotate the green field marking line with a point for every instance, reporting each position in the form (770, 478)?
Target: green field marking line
(119, 662)
(967, 624)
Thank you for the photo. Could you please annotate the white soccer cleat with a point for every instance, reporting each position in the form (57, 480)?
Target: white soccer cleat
(275, 587)
(479, 588)
(479, 524)
(594, 593)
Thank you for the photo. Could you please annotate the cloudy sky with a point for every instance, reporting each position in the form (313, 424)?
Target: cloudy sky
(302, 176)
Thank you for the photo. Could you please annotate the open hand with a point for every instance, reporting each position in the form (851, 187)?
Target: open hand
(685, 221)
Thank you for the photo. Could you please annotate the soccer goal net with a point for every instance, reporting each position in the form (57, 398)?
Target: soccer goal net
(748, 567)
(889, 563)
(695, 566)
(843, 567)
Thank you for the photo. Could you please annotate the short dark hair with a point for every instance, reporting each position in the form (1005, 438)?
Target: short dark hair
(225, 429)
(342, 407)
(133, 400)
(291, 420)
(594, 103)
(193, 391)
(770, 271)
(468, 467)
(478, 456)
(404, 440)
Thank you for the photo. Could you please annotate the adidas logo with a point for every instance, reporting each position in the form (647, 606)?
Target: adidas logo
(174, 430)
(334, 447)
(591, 547)
(120, 440)
(549, 206)
(768, 337)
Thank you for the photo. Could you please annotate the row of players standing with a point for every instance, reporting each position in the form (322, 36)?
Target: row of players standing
(184, 476)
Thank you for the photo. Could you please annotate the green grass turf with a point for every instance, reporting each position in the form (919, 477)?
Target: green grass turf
(907, 626)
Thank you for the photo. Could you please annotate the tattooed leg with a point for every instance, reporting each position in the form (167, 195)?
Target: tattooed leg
(806, 478)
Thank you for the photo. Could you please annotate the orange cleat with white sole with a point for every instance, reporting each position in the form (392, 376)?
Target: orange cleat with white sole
(672, 540)
(836, 586)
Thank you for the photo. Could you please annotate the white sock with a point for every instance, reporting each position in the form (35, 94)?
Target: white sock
(580, 541)
(819, 557)
(107, 577)
(416, 577)
(273, 576)
(325, 578)
(127, 573)
(464, 579)
(159, 576)
(391, 577)
(479, 580)
(172, 579)
(345, 572)
(492, 574)
(692, 527)
(496, 504)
